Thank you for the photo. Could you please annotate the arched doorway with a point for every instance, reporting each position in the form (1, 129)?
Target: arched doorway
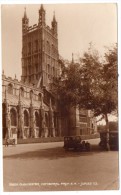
(26, 124)
(46, 125)
(13, 120)
(26, 119)
(37, 124)
(13, 117)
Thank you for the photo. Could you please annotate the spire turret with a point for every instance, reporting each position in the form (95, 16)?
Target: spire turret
(25, 22)
(41, 7)
(41, 16)
(25, 15)
(54, 24)
(72, 58)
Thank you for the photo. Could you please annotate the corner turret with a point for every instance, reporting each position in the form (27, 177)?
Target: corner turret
(25, 22)
(54, 25)
(41, 21)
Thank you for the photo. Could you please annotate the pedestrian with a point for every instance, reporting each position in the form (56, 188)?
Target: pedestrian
(6, 142)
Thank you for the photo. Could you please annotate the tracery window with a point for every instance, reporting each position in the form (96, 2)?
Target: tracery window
(22, 91)
(26, 118)
(10, 88)
(13, 116)
(37, 119)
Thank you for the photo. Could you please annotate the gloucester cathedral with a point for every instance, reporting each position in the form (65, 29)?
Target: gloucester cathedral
(29, 109)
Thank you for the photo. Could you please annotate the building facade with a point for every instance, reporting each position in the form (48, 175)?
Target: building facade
(29, 109)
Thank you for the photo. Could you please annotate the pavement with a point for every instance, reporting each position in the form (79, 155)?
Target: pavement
(48, 167)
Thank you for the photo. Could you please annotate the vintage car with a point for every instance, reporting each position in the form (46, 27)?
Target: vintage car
(76, 143)
(112, 140)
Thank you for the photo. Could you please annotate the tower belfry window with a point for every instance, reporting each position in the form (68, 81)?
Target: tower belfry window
(36, 45)
(48, 47)
(29, 47)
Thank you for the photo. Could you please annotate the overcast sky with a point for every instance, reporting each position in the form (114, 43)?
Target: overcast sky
(78, 25)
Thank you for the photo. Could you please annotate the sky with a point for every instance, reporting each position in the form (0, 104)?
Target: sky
(78, 25)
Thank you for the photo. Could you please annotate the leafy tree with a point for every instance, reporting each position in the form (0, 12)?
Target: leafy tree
(102, 82)
(92, 84)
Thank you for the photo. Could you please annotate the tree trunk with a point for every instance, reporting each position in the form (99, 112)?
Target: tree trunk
(107, 130)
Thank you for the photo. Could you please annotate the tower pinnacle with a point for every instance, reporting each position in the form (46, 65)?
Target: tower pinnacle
(72, 58)
(54, 24)
(25, 22)
(25, 15)
(41, 15)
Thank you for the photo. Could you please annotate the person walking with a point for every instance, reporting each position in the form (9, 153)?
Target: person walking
(6, 142)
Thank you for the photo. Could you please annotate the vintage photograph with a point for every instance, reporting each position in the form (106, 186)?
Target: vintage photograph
(60, 97)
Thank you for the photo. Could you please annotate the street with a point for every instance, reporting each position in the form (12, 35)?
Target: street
(48, 167)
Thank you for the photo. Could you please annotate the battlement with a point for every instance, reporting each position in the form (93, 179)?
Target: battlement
(18, 82)
(31, 28)
(35, 27)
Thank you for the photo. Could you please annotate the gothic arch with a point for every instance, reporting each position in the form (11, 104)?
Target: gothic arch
(31, 93)
(10, 88)
(13, 116)
(26, 118)
(46, 120)
(22, 91)
(37, 121)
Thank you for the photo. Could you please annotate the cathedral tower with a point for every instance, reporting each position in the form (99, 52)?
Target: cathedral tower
(39, 51)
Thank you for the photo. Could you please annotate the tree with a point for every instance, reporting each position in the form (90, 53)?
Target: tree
(92, 84)
(102, 82)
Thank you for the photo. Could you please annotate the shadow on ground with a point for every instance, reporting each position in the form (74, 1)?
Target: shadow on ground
(53, 153)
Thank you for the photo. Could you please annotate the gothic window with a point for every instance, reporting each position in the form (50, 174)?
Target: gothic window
(13, 117)
(29, 47)
(26, 118)
(22, 91)
(82, 119)
(48, 47)
(36, 45)
(31, 94)
(39, 97)
(37, 119)
(10, 88)
(53, 50)
(46, 120)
